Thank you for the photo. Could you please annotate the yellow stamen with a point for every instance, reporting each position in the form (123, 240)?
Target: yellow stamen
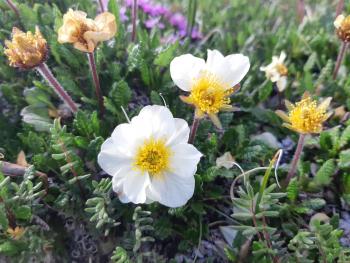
(209, 94)
(282, 69)
(306, 117)
(153, 157)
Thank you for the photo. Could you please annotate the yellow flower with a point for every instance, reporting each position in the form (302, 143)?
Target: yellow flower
(342, 25)
(84, 33)
(16, 233)
(26, 50)
(305, 116)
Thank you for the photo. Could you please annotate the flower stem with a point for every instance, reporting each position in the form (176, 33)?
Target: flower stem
(339, 59)
(96, 80)
(44, 70)
(134, 20)
(102, 8)
(293, 166)
(191, 17)
(301, 10)
(340, 7)
(194, 129)
(13, 7)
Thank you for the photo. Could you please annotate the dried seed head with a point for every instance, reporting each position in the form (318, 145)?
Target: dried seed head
(342, 25)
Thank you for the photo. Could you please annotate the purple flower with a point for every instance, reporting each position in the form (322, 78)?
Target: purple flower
(153, 22)
(178, 20)
(122, 14)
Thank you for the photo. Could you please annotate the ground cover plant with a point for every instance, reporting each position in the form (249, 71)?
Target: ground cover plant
(174, 131)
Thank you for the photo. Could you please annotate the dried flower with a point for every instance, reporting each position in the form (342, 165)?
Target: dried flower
(150, 158)
(16, 233)
(277, 71)
(226, 160)
(305, 116)
(84, 33)
(210, 83)
(342, 25)
(26, 50)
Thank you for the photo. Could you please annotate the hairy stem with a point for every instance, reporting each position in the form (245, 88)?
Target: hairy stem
(301, 10)
(96, 81)
(340, 7)
(293, 166)
(13, 7)
(339, 59)
(194, 129)
(134, 20)
(102, 8)
(44, 70)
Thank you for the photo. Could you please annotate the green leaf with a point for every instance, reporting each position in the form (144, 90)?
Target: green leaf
(324, 174)
(292, 190)
(345, 137)
(164, 58)
(344, 159)
(23, 212)
(3, 218)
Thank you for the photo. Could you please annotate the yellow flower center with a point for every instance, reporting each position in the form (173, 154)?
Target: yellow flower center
(209, 94)
(306, 117)
(282, 69)
(153, 157)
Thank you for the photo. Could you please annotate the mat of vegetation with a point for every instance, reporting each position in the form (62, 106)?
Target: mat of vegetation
(174, 131)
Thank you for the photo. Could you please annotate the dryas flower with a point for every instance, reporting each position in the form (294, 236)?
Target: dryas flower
(16, 233)
(277, 71)
(150, 159)
(26, 50)
(210, 83)
(84, 33)
(342, 26)
(305, 116)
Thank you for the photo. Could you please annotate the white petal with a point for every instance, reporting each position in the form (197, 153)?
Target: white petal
(231, 69)
(126, 138)
(214, 59)
(134, 184)
(184, 69)
(185, 159)
(110, 159)
(338, 21)
(281, 83)
(154, 121)
(181, 133)
(282, 57)
(171, 190)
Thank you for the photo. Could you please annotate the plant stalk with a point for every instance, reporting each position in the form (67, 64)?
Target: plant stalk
(96, 81)
(340, 7)
(194, 129)
(102, 8)
(296, 158)
(191, 17)
(44, 70)
(13, 7)
(301, 10)
(339, 59)
(134, 20)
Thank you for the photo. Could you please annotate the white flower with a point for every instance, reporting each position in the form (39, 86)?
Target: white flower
(150, 159)
(277, 71)
(210, 83)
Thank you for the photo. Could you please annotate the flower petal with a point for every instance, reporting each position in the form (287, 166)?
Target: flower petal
(134, 186)
(110, 159)
(185, 159)
(172, 190)
(281, 84)
(184, 69)
(230, 69)
(181, 133)
(282, 115)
